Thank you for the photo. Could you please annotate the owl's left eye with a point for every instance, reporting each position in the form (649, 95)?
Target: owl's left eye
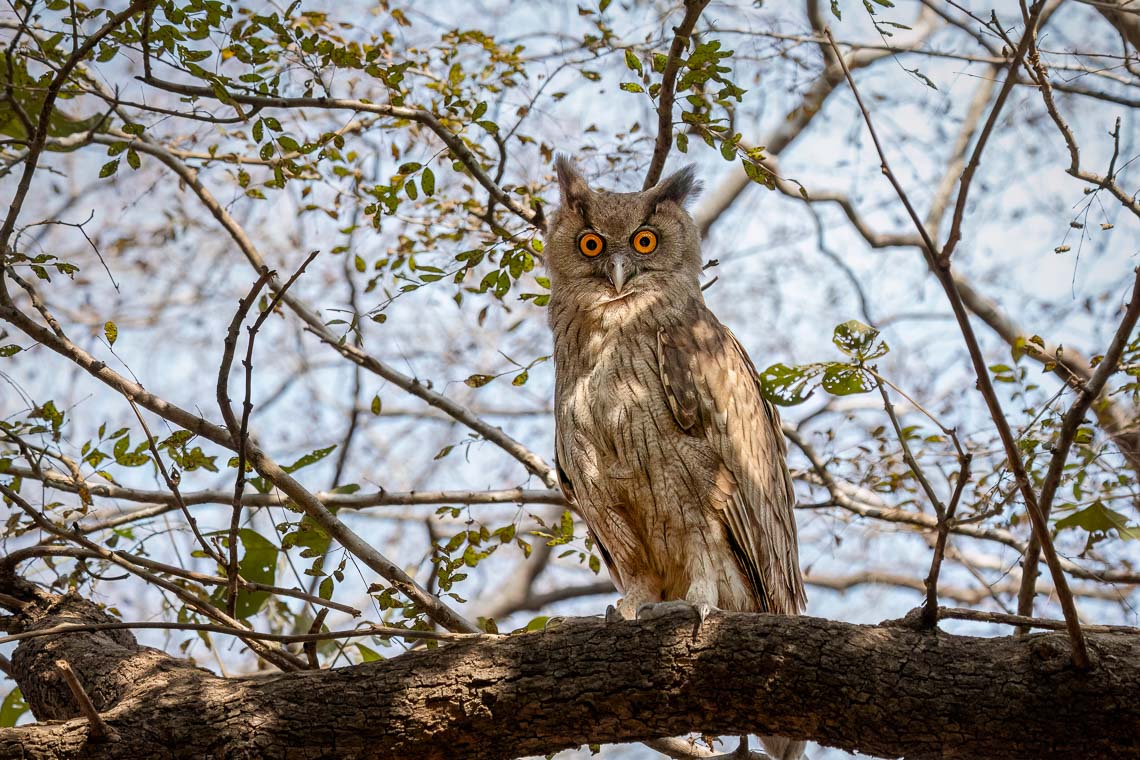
(644, 241)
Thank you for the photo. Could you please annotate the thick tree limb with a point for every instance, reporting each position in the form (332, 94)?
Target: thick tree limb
(887, 690)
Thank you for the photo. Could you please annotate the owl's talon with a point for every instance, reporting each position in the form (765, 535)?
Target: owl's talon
(612, 614)
(656, 610)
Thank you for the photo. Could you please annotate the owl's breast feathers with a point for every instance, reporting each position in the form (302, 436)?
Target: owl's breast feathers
(677, 463)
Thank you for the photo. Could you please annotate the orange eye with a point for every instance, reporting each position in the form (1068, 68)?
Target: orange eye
(591, 244)
(645, 241)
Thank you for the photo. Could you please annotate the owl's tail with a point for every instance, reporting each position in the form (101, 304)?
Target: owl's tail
(781, 748)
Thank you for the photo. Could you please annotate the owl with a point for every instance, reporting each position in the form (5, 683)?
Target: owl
(664, 443)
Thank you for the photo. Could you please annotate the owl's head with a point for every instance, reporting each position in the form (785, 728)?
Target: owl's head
(604, 246)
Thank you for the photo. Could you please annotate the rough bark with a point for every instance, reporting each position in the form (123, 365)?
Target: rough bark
(885, 690)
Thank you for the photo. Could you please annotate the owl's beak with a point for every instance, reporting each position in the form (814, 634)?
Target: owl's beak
(618, 272)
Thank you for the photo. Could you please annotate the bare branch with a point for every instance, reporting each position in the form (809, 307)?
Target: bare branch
(282, 660)
(941, 265)
(721, 199)
(98, 728)
(41, 550)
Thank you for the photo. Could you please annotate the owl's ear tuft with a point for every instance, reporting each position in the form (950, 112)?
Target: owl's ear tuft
(571, 185)
(679, 187)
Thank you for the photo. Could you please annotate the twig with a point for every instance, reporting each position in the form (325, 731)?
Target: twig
(41, 550)
(97, 729)
(982, 616)
(239, 431)
(461, 152)
(908, 457)
(211, 552)
(665, 96)
(941, 267)
(165, 501)
(955, 234)
(799, 118)
(283, 660)
(945, 515)
(945, 520)
(310, 647)
(532, 461)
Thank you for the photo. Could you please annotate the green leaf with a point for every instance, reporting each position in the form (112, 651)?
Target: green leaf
(844, 380)
(858, 340)
(310, 458)
(133, 159)
(631, 87)
(478, 381)
(377, 407)
(258, 564)
(1098, 518)
(109, 168)
(367, 654)
(13, 707)
(538, 623)
(728, 150)
(427, 182)
(788, 386)
(309, 536)
(111, 331)
(632, 62)
(10, 350)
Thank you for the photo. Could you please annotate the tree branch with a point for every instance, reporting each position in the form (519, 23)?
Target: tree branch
(940, 263)
(883, 690)
(1069, 426)
(682, 34)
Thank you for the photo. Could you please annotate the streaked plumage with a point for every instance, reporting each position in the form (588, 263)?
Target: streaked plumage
(664, 442)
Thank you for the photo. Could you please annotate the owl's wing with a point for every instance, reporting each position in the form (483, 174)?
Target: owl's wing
(713, 390)
(567, 487)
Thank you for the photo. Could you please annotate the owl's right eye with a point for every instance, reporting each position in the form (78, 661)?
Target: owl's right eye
(591, 244)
